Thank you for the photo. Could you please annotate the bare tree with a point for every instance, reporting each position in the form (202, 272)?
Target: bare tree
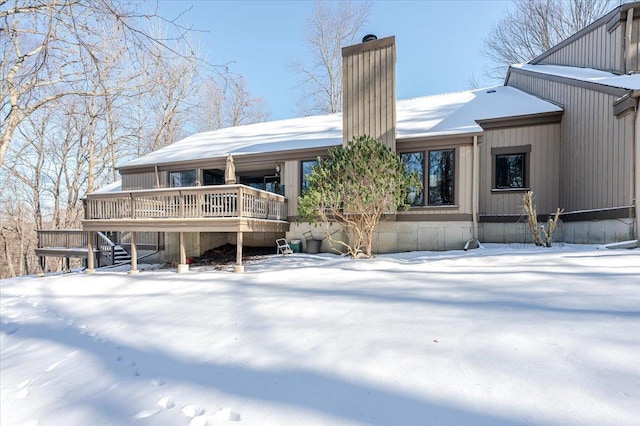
(228, 103)
(85, 85)
(332, 26)
(530, 27)
(48, 47)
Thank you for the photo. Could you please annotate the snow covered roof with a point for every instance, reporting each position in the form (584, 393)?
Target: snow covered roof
(112, 187)
(438, 115)
(627, 81)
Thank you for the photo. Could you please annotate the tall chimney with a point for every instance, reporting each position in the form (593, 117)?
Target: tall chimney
(369, 90)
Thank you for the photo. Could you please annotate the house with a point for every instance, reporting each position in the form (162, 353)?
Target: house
(565, 126)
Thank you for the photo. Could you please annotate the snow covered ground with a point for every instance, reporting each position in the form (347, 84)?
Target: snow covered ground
(501, 335)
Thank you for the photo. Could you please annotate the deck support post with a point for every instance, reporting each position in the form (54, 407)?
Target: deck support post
(91, 257)
(134, 254)
(238, 266)
(43, 264)
(183, 266)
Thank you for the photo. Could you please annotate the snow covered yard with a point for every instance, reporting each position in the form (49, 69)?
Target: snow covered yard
(501, 335)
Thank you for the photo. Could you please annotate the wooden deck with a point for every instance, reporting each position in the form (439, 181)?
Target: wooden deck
(222, 208)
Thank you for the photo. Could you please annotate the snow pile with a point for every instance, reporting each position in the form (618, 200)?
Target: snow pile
(501, 335)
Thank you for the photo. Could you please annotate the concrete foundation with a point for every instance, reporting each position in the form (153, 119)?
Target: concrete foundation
(393, 237)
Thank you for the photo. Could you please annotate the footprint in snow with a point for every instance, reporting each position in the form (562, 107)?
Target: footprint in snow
(192, 411)
(166, 402)
(157, 382)
(228, 414)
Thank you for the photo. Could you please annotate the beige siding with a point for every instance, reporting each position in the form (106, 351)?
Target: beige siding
(597, 49)
(544, 169)
(596, 146)
(369, 93)
(633, 59)
(291, 180)
(143, 180)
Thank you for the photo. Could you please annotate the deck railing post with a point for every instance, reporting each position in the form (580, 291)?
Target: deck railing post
(133, 206)
(240, 202)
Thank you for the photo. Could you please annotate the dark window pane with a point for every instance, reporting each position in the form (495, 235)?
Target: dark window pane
(182, 178)
(441, 177)
(415, 163)
(213, 177)
(510, 171)
(306, 169)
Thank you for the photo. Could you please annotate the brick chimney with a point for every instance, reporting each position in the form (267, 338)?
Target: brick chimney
(369, 90)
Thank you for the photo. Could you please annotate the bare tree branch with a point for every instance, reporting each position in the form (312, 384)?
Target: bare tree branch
(330, 27)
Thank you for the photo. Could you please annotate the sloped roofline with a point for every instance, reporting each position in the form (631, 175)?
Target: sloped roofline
(611, 20)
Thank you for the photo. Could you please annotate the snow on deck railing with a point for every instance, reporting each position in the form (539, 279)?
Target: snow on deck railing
(182, 203)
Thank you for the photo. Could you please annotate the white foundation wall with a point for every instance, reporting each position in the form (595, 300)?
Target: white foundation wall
(508, 232)
(171, 252)
(588, 232)
(394, 237)
(599, 231)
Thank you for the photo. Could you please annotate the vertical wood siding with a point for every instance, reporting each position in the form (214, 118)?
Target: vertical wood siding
(291, 177)
(369, 95)
(597, 49)
(633, 59)
(595, 151)
(145, 180)
(544, 169)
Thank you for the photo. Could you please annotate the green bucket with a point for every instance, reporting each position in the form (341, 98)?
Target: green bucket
(296, 246)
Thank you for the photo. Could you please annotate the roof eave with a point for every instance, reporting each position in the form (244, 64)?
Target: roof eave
(521, 120)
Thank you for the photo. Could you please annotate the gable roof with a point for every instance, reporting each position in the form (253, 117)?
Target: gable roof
(587, 75)
(611, 20)
(429, 116)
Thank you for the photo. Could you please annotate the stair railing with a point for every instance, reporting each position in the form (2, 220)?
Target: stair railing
(107, 247)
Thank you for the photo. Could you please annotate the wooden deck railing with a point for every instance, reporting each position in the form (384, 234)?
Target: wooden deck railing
(62, 238)
(197, 202)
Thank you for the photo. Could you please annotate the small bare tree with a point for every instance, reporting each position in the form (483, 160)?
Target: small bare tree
(530, 27)
(330, 27)
(532, 219)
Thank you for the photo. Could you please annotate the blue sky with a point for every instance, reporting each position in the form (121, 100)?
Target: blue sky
(438, 42)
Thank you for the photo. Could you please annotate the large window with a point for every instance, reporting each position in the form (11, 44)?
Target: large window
(442, 177)
(415, 163)
(511, 167)
(306, 167)
(182, 178)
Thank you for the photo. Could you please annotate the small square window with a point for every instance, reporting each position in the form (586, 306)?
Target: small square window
(511, 171)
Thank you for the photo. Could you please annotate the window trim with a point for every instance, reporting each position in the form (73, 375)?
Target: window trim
(428, 177)
(169, 172)
(511, 150)
(424, 162)
(301, 170)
